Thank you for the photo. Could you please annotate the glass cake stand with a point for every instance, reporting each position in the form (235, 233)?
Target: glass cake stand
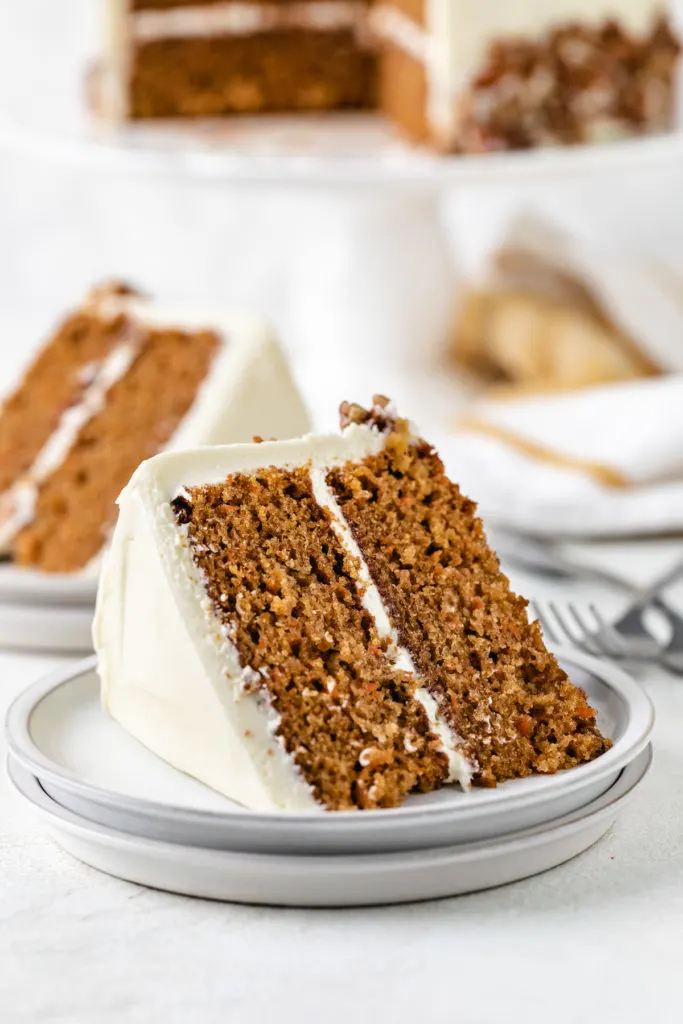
(374, 267)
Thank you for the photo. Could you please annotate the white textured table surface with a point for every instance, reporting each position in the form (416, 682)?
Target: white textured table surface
(599, 939)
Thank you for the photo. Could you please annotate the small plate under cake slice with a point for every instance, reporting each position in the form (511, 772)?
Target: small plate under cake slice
(320, 623)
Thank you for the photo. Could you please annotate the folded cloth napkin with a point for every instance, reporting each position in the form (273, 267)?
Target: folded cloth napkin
(601, 460)
(597, 462)
(551, 308)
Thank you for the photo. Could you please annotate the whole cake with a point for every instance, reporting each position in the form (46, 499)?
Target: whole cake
(321, 623)
(461, 75)
(120, 380)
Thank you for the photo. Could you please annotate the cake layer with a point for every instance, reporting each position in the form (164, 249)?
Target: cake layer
(289, 596)
(275, 72)
(467, 633)
(161, 379)
(501, 75)
(53, 382)
(347, 636)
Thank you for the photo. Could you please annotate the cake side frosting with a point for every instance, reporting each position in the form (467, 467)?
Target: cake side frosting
(228, 748)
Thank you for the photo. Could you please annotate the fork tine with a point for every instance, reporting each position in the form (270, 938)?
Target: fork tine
(545, 622)
(607, 643)
(589, 641)
(607, 634)
(643, 646)
(577, 641)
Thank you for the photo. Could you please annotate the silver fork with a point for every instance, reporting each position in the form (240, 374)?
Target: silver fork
(594, 635)
(536, 554)
(625, 638)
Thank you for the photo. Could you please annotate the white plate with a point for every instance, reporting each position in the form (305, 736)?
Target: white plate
(42, 627)
(26, 586)
(58, 730)
(329, 881)
(42, 611)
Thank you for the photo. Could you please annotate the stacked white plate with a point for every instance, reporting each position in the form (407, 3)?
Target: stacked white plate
(45, 611)
(113, 804)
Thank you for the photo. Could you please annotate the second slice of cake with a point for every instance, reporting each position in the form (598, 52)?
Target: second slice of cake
(121, 379)
(321, 623)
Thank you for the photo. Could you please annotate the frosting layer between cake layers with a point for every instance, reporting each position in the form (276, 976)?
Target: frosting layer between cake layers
(235, 18)
(192, 700)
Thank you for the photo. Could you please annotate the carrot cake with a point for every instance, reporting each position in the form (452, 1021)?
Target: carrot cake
(120, 380)
(321, 623)
(460, 75)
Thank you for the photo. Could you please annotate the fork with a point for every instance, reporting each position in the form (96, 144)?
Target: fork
(618, 640)
(597, 636)
(627, 637)
(547, 557)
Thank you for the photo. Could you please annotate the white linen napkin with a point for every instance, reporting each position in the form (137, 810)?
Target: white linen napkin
(598, 462)
(605, 460)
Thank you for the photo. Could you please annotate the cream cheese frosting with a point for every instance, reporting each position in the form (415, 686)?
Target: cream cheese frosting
(235, 18)
(170, 673)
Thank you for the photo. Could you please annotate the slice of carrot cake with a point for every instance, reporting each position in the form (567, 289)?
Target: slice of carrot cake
(321, 622)
(120, 380)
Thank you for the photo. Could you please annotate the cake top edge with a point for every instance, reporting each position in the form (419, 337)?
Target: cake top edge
(115, 298)
(364, 432)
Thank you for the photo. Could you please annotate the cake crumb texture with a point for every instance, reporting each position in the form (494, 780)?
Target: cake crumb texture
(275, 71)
(288, 596)
(467, 632)
(75, 506)
(52, 384)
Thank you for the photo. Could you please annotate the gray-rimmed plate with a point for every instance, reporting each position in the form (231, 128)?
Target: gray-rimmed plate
(87, 763)
(324, 881)
(26, 586)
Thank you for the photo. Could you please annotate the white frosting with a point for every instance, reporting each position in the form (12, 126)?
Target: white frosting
(249, 389)
(454, 42)
(17, 505)
(391, 25)
(170, 673)
(234, 18)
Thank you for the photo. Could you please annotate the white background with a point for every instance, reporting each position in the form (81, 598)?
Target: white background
(599, 939)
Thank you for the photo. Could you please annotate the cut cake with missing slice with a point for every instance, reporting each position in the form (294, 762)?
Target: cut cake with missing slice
(321, 623)
(121, 379)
